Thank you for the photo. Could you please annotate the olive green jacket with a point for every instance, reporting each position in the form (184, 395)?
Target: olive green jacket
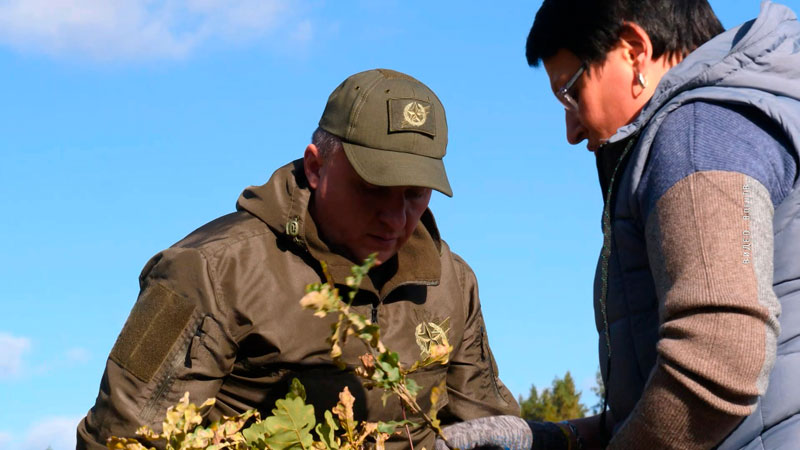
(218, 315)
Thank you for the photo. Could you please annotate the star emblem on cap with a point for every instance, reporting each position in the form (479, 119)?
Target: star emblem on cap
(415, 114)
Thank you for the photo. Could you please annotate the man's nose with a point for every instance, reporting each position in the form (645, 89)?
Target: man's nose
(392, 210)
(575, 130)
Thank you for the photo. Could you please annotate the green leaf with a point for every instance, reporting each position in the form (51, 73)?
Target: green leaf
(412, 386)
(327, 431)
(199, 438)
(391, 426)
(387, 373)
(313, 287)
(358, 320)
(288, 428)
(390, 357)
(359, 272)
(255, 435)
(290, 425)
(297, 390)
(370, 334)
(391, 372)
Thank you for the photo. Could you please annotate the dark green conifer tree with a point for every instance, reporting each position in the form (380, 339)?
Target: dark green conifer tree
(559, 402)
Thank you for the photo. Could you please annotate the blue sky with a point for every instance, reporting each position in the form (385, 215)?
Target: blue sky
(128, 124)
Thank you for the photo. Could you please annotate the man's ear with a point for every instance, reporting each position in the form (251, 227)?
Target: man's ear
(312, 164)
(637, 44)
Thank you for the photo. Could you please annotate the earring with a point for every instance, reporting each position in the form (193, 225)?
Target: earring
(641, 79)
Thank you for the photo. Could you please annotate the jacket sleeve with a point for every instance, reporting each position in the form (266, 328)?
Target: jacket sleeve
(474, 388)
(174, 341)
(710, 247)
(714, 177)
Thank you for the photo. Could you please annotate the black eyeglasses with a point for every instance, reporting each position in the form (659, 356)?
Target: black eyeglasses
(570, 103)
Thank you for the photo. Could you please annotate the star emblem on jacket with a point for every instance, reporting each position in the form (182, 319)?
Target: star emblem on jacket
(432, 339)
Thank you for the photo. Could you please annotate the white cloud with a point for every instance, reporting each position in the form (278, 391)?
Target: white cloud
(5, 439)
(57, 433)
(11, 350)
(78, 355)
(304, 32)
(134, 29)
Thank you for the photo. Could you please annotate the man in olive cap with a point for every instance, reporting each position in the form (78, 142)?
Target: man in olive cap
(218, 314)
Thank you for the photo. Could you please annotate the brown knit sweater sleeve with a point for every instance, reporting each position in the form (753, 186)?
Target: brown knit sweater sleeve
(710, 249)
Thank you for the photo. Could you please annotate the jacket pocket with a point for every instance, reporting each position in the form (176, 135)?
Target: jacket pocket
(211, 353)
(429, 378)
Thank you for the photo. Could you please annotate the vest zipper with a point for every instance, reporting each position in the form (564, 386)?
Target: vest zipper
(374, 313)
(605, 256)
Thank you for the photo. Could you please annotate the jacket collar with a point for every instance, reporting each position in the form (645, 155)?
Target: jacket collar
(282, 204)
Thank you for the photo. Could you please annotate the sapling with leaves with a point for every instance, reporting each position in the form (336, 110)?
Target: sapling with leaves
(292, 421)
(380, 367)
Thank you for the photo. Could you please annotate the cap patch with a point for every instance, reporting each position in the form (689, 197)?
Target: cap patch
(411, 114)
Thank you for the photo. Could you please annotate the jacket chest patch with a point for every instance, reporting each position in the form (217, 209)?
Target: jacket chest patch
(430, 336)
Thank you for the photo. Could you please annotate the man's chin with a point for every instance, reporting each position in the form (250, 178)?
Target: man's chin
(360, 256)
(382, 257)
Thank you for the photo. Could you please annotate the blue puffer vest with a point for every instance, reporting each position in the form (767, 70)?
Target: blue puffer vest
(756, 64)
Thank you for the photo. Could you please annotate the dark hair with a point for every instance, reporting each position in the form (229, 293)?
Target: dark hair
(590, 28)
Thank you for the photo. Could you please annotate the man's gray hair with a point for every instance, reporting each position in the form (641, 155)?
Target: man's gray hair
(327, 143)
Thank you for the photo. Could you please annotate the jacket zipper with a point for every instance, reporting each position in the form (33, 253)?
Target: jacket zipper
(375, 313)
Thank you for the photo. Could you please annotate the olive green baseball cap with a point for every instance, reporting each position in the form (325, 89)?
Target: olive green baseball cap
(393, 129)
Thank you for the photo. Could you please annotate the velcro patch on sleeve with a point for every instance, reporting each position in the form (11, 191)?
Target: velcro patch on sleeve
(156, 322)
(410, 114)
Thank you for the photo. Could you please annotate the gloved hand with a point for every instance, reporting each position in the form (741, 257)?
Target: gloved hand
(508, 433)
(492, 432)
